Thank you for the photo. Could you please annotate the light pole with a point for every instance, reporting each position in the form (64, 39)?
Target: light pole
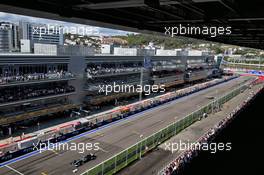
(213, 104)
(141, 82)
(141, 136)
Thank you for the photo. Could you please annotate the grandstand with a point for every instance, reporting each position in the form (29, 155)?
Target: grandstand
(32, 84)
(29, 85)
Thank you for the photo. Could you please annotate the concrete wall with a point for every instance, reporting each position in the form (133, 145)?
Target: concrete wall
(77, 66)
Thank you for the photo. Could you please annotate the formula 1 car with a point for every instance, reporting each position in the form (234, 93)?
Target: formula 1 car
(83, 160)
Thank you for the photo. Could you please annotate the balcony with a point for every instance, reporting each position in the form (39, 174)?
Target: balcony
(36, 78)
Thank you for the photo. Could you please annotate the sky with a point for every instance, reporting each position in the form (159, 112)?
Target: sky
(93, 30)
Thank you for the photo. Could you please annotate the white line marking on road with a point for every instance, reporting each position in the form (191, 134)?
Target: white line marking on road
(99, 134)
(104, 150)
(14, 170)
(55, 152)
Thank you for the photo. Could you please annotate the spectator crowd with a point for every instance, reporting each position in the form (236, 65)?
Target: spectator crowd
(165, 65)
(117, 69)
(5, 79)
(22, 93)
(179, 163)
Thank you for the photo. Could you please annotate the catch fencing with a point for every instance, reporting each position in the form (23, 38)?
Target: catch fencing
(136, 151)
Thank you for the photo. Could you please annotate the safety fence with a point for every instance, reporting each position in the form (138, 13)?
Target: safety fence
(134, 152)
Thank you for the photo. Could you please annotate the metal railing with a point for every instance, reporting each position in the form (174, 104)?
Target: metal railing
(134, 152)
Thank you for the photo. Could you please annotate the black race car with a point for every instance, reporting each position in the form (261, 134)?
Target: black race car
(77, 163)
(88, 157)
(83, 160)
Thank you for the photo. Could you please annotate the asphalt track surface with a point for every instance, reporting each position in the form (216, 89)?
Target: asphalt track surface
(117, 136)
(157, 159)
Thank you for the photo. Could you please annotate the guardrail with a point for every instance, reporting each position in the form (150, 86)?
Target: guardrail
(134, 152)
(207, 137)
(97, 119)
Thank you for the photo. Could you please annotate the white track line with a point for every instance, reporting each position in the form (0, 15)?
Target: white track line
(14, 170)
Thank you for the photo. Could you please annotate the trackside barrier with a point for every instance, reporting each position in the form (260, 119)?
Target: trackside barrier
(177, 161)
(134, 152)
(10, 151)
